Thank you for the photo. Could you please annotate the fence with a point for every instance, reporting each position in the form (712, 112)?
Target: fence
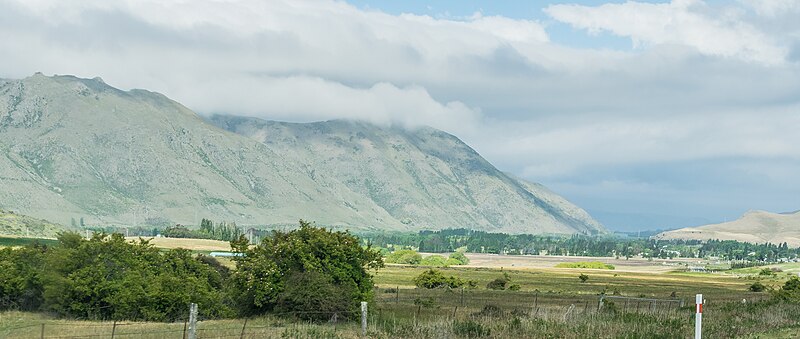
(414, 306)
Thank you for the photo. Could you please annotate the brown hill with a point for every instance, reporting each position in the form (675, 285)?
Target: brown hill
(754, 227)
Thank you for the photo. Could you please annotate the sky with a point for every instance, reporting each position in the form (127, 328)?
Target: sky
(648, 114)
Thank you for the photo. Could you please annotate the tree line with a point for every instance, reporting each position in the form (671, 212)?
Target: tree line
(450, 240)
(309, 272)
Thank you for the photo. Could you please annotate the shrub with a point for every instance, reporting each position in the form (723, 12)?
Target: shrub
(757, 287)
(586, 264)
(790, 290)
(765, 271)
(436, 279)
(583, 277)
(515, 287)
(288, 269)
(460, 258)
(108, 277)
(499, 283)
(409, 257)
(434, 260)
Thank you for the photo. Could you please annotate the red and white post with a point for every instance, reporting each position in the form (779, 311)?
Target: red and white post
(698, 319)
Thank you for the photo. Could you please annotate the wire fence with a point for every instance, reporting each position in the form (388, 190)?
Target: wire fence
(415, 306)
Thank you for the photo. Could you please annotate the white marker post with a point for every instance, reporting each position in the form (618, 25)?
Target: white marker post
(698, 319)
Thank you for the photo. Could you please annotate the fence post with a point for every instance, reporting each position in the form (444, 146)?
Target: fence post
(600, 304)
(241, 336)
(193, 321)
(698, 320)
(113, 329)
(42, 336)
(364, 319)
(397, 294)
(462, 297)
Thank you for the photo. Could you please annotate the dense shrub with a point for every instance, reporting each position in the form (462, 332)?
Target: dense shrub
(757, 287)
(409, 257)
(460, 258)
(499, 283)
(435, 279)
(107, 277)
(288, 271)
(790, 291)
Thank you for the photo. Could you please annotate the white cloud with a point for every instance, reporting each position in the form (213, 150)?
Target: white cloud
(707, 82)
(719, 32)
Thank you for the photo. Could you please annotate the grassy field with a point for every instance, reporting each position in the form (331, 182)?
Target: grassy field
(12, 241)
(645, 299)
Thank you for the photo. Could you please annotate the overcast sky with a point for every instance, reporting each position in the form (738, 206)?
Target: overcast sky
(647, 114)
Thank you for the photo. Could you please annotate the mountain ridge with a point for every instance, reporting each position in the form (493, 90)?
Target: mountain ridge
(754, 226)
(73, 147)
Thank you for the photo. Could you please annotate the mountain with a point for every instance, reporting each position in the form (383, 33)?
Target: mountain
(753, 226)
(423, 177)
(72, 147)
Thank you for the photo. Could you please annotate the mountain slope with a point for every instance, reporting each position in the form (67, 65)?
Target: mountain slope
(22, 225)
(753, 226)
(423, 177)
(72, 147)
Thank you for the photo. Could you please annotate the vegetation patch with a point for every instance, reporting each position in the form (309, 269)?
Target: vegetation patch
(586, 264)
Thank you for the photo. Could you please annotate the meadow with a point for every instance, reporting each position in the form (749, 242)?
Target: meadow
(641, 299)
(551, 303)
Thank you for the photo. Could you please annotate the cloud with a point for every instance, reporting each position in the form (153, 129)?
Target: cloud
(718, 32)
(707, 83)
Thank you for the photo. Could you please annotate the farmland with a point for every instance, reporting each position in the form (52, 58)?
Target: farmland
(643, 298)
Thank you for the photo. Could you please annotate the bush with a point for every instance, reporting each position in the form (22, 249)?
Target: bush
(436, 279)
(460, 258)
(288, 270)
(790, 290)
(434, 260)
(757, 287)
(586, 264)
(109, 278)
(409, 257)
(499, 283)
(515, 287)
(765, 271)
(583, 277)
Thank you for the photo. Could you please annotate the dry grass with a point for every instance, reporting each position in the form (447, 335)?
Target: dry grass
(188, 243)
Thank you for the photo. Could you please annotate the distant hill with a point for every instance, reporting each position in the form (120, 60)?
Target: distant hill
(72, 147)
(24, 226)
(754, 227)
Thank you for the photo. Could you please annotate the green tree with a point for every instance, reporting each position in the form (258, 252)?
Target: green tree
(289, 272)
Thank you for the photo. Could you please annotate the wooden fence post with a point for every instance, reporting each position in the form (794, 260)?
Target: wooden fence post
(113, 329)
(42, 334)
(364, 319)
(193, 321)
(241, 336)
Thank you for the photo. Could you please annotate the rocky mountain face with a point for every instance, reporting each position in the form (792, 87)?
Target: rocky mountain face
(72, 148)
(753, 226)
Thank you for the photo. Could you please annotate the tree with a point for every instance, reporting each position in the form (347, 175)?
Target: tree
(300, 270)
